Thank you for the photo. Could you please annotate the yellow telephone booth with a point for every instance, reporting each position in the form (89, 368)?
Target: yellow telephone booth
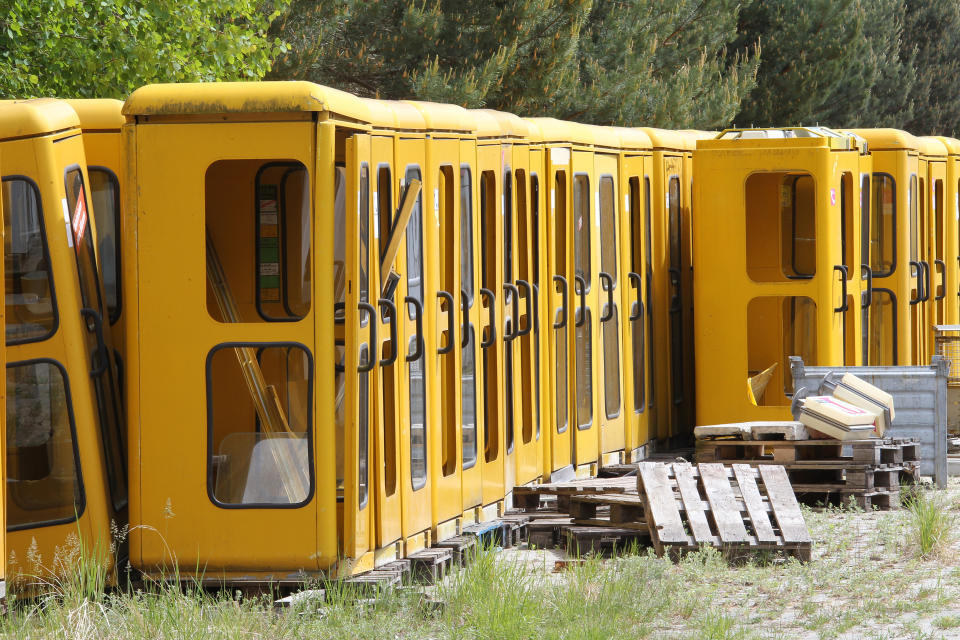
(65, 448)
(634, 232)
(776, 245)
(672, 287)
(951, 232)
(933, 190)
(281, 369)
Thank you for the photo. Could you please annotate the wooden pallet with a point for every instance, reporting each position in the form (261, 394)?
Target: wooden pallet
(826, 475)
(710, 504)
(623, 511)
(603, 540)
(535, 497)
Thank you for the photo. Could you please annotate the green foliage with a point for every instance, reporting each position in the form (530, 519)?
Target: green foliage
(933, 28)
(931, 523)
(602, 61)
(107, 48)
(809, 50)
(658, 64)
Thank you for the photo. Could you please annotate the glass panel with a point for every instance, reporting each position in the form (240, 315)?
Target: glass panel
(466, 233)
(262, 274)
(883, 225)
(468, 381)
(449, 259)
(366, 350)
(418, 398)
(648, 258)
(846, 224)
(260, 411)
(676, 294)
(105, 195)
(584, 360)
(30, 304)
(582, 224)
(778, 327)
(637, 266)
(382, 211)
(608, 227)
(43, 475)
(784, 248)
(912, 196)
(611, 365)
(883, 329)
(510, 321)
(468, 357)
(535, 251)
(490, 378)
(560, 335)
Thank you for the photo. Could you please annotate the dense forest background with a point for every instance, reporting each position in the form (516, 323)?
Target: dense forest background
(702, 64)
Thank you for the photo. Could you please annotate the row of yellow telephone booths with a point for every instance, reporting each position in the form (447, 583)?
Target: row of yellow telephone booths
(314, 333)
(515, 309)
(359, 324)
(837, 246)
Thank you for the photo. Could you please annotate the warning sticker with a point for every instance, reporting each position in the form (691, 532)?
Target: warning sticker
(79, 222)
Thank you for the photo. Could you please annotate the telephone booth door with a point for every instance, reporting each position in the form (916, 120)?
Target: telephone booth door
(634, 225)
(583, 232)
(559, 319)
(607, 204)
(360, 314)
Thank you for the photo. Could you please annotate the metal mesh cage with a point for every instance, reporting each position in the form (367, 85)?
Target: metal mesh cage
(947, 344)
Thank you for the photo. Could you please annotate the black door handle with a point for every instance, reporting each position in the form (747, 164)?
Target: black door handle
(536, 309)
(866, 298)
(635, 280)
(372, 316)
(392, 308)
(515, 320)
(578, 281)
(523, 284)
(943, 278)
(926, 280)
(101, 356)
(842, 268)
(675, 302)
(418, 320)
(565, 296)
(444, 295)
(492, 301)
(465, 307)
(606, 283)
(919, 268)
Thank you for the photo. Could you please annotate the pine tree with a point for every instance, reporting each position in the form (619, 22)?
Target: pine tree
(638, 62)
(659, 64)
(933, 27)
(809, 51)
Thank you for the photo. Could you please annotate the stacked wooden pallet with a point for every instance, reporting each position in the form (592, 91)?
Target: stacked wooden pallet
(600, 515)
(867, 472)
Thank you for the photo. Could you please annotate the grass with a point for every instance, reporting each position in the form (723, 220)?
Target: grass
(932, 523)
(874, 575)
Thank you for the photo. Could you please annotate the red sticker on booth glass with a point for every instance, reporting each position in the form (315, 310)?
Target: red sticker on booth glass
(80, 219)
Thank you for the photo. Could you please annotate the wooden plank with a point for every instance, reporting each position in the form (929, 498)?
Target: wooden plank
(759, 517)
(784, 505)
(663, 517)
(723, 504)
(695, 507)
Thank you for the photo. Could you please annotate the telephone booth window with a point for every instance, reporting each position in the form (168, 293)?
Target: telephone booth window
(883, 226)
(468, 356)
(259, 415)
(417, 374)
(105, 196)
(780, 247)
(258, 240)
(43, 466)
(778, 327)
(31, 309)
